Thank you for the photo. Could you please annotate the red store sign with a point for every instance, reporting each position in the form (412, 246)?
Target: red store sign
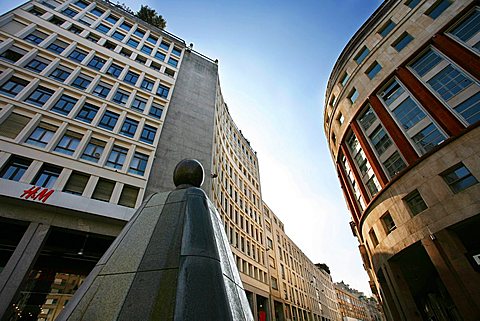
(37, 193)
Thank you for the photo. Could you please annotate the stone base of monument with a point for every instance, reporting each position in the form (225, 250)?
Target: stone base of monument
(172, 261)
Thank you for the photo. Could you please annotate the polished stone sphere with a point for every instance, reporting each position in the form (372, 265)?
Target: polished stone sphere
(188, 172)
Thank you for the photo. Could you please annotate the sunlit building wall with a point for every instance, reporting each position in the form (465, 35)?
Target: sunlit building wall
(401, 117)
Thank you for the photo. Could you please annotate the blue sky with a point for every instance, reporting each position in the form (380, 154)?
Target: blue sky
(275, 58)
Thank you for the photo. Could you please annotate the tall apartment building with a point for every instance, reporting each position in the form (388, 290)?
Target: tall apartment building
(401, 117)
(96, 109)
(351, 306)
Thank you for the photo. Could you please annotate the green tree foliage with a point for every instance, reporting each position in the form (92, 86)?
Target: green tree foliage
(151, 16)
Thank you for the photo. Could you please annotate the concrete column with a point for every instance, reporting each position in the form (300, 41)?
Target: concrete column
(448, 256)
(396, 282)
(19, 265)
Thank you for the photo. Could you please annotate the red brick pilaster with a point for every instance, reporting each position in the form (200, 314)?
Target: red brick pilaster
(356, 174)
(442, 115)
(371, 157)
(458, 53)
(395, 132)
(349, 196)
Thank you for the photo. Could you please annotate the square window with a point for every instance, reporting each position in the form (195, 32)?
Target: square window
(103, 28)
(47, 176)
(112, 19)
(148, 134)
(56, 20)
(61, 73)
(114, 70)
(64, 105)
(97, 63)
(39, 96)
(340, 118)
(93, 37)
(103, 190)
(415, 202)
(36, 37)
(129, 195)
(141, 59)
(121, 97)
(76, 30)
(152, 39)
(57, 47)
(138, 164)
(76, 184)
(428, 138)
(13, 54)
(169, 72)
(361, 55)
(156, 111)
(458, 178)
(173, 62)
(102, 90)
(42, 135)
(176, 51)
(37, 65)
(13, 124)
(78, 55)
(165, 45)
(131, 77)
(139, 33)
(70, 12)
(117, 157)
(82, 81)
(87, 113)
(82, 4)
(155, 66)
(118, 35)
(109, 120)
(96, 11)
(147, 84)
(388, 223)
(15, 168)
(129, 127)
(139, 104)
(126, 26)
(373, 70)
(36, 11)
(125, 52)
(163, 91)
(132, 43)
(159, 55)
(402, 41)
(110, 45)
(69, 143)
(94, 150)
(147, 49)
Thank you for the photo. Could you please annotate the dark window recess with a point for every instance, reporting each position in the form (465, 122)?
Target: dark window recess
(459, 178)
(78, 55)
(15, 168)
(87, 113)
(388, 223)
(39, 96)
(129, 196)
(47, 176)
(415, 202)
(13, 55)
(76, 183)
(103, 190)
(64, 105)
(13, 86)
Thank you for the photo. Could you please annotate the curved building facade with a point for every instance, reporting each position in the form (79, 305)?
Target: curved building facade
(402, 110)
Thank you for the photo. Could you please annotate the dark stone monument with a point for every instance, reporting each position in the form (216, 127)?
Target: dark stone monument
(172, 261)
